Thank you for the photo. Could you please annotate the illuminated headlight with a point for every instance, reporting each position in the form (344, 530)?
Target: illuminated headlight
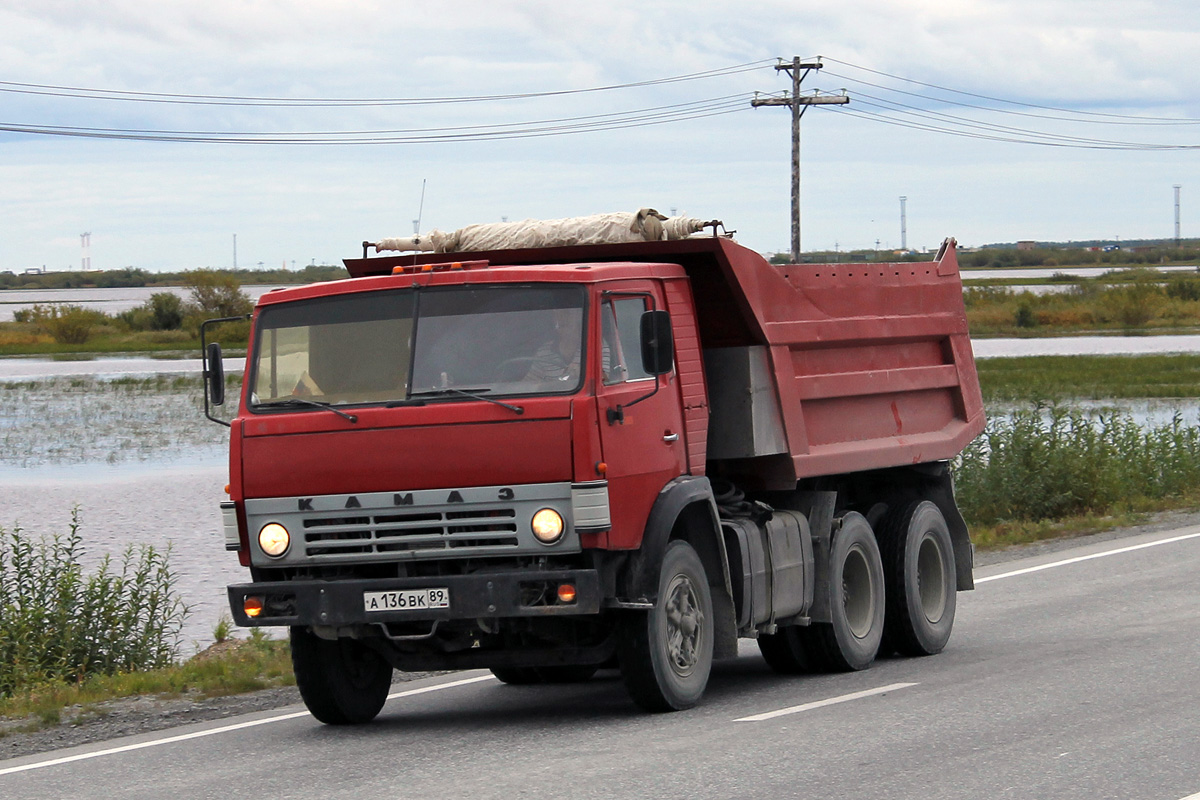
(274, 539)
(548, 526)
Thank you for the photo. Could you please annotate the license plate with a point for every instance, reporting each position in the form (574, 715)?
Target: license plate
(406, 600)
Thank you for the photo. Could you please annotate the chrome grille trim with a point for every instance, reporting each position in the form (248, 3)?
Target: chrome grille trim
(401, 526)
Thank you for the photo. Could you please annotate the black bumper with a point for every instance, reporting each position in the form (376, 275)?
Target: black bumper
(340, 603)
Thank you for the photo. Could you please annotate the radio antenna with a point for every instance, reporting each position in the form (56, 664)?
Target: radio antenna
(420, 209)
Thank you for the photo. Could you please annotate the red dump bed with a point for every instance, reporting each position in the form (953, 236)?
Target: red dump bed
(868, 365)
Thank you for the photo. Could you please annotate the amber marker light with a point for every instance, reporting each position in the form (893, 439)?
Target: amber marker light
(274, 539)
(548, 526)
(566, 593)
(253, 606)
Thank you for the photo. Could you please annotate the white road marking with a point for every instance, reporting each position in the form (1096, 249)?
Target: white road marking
(223, 729)
(1077, 559)
(845, 698)
(1191, 797)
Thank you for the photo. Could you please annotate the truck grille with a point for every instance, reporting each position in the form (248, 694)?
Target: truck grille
(422, 524)
(396, 533)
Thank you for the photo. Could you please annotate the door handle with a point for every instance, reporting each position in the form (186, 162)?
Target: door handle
(671, 437)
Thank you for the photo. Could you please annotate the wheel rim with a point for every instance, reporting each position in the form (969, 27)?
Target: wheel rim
(931, 579)
(685, 625)
(858, 592)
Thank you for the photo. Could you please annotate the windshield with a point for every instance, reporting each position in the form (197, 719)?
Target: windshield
(379, 347)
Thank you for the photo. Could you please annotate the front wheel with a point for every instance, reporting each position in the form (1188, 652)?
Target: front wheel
(343, 682)
(666, 653)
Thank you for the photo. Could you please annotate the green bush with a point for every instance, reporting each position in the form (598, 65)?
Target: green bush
(1047, 463)
(1184, 287)
(66, 324)
(216, 294)
(58, 624)
(162, 312)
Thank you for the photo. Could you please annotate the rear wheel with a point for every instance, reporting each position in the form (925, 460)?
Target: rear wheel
(785, 651)
(343, 681)
(850, 641)
(526, 676)
(517, 676)
(918, 559)
(666, 653)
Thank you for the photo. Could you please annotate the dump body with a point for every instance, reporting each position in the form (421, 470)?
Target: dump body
(866, 365)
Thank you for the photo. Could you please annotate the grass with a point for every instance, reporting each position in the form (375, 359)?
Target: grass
(58, 624)
(252, 664)
(1034, 378)
(1048, 464)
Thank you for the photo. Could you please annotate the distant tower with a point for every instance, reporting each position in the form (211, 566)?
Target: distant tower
(1177, 188)
(85, 241)
(903, 225)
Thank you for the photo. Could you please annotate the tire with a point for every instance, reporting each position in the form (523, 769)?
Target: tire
(666, 654)
(343, 682)
(787, 651)
(918, 561)
(528, 676)
(856, 583)
(517, 676)
(568, 673)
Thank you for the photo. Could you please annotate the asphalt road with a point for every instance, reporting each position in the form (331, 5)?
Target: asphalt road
(1077, 680)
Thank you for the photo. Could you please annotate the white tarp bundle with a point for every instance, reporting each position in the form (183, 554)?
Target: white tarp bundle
(645, 225)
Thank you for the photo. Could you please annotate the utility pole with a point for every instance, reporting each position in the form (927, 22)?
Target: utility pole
(1177, 188)
(799, 71)
(903, 225)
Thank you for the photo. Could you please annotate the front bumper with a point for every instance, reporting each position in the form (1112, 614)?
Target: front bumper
(487, 595)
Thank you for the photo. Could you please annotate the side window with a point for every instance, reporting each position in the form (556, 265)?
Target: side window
(621, 339)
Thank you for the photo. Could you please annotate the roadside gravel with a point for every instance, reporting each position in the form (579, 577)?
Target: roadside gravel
(131, 716)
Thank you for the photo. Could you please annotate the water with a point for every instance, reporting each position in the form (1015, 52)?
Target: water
(1050, 272)
(1084, 345)
(110, 300)
(140, 462)
(145, 467)
(25, 369)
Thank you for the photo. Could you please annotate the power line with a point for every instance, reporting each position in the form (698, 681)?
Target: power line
(79, 92)
(656, 115)
(1031, 136)
(1155, 120)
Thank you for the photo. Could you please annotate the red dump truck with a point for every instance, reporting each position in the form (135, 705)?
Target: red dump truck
(545, 460)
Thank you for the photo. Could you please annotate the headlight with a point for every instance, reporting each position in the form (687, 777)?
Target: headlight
(274, 539)
(548, 526)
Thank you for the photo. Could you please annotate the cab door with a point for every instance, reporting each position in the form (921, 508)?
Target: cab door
(641, 422)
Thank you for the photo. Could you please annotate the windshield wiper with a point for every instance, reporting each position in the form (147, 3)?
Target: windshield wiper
(474, 394)
(304, 401)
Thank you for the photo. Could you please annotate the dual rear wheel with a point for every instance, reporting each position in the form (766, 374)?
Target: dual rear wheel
(897, 593)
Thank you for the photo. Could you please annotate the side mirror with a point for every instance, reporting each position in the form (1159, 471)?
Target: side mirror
(214, 372)
(658, 344)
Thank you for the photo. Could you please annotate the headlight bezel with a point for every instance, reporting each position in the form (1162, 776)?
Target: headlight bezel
(548, 526)
(268, 543)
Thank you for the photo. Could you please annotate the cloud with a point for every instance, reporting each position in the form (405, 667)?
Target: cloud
(168, 205)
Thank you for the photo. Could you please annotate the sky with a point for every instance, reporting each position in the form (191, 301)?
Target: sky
(998, 120)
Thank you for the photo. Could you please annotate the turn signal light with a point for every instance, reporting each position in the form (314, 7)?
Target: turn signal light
(253, 606)
(566, 593)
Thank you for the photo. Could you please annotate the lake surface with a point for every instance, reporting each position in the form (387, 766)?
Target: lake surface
(1076, 272)
(145, 467)
(110, 301)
